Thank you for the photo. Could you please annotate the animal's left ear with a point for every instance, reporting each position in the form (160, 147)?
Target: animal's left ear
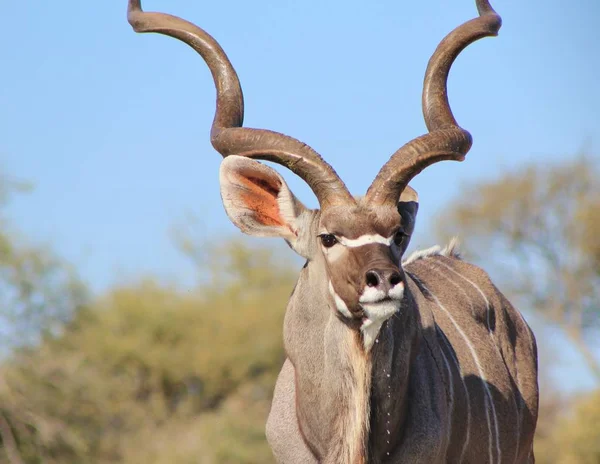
(408, 205)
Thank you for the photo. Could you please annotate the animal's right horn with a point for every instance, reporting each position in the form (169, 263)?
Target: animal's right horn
(446, 140)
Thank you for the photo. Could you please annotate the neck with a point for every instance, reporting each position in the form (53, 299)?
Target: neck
(349, 400)
(391, 360)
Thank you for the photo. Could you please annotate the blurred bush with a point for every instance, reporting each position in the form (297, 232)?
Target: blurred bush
(574, 437)
(536, 230)
(155, 374)
(39, 292)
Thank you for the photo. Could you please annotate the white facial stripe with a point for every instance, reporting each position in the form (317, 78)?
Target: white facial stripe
(365, 240)
(340, 304)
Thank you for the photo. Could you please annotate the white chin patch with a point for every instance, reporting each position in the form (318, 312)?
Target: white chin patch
(377, 311)
(371, 295)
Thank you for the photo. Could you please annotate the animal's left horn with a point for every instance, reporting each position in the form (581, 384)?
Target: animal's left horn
(446, 140)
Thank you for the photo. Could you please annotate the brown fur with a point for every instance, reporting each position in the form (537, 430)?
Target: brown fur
(449, 404)
(452, 374)
(353, 423)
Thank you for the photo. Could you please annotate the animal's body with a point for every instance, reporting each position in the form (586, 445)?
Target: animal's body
(460, 385)
(387, 362)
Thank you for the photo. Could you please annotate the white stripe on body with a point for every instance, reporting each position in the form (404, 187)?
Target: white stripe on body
(476, 287)
(492, 335)
(488, 395)
(451, 381)
(467, 396)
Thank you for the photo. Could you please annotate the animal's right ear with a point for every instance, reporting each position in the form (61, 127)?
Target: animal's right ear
(408, 206)
(258, 201)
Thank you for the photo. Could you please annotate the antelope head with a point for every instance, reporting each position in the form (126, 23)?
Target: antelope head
(354, 245)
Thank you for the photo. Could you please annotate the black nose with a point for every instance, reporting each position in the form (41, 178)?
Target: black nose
(382, 279)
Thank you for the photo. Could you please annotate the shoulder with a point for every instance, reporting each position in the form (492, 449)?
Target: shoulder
(443, 263)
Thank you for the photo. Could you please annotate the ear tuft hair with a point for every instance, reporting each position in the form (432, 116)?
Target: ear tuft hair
(257, 199)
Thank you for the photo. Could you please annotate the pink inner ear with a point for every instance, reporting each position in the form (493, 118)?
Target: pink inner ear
(260, 196)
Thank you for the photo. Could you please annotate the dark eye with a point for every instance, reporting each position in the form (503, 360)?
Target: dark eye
(328, 240)
(400, 238)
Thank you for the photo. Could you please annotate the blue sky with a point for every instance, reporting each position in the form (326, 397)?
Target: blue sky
(112, 127)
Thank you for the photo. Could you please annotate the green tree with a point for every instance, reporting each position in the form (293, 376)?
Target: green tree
(39, 292)
(155, 373)
(575, 436)
(536, 229)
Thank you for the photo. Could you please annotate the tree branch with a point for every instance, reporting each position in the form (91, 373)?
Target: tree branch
(9, 442)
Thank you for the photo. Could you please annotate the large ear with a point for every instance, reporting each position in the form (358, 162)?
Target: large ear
(408, 206)
(257, 199)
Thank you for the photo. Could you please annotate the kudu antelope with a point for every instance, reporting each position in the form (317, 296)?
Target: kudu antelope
(420, 361)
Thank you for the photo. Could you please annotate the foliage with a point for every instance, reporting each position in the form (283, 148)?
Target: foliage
(536, 230)
(159, 374)
(574, 437)
(38, 291)
(155, 374)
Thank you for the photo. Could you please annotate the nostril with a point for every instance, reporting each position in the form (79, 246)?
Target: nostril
(395, 279)
(372, 279)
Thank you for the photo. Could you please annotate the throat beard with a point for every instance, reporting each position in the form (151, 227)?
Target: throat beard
(375, 314)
